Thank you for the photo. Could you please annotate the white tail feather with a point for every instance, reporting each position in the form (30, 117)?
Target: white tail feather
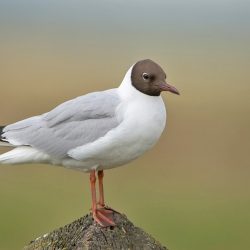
(24, 154)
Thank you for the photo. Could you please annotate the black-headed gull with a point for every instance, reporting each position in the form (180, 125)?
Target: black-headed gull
(95, 132)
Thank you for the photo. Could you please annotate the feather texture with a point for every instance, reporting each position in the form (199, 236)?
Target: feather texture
(71, 124)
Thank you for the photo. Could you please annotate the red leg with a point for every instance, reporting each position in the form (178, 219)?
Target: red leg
(101, 202)
(93, 191)
(101, 192)
(103, 217)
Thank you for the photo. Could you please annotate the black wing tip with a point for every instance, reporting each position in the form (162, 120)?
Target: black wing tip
(1, 132)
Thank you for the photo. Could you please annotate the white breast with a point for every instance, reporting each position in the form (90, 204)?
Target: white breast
(144, 118)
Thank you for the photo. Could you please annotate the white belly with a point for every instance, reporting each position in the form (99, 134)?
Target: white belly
(142, 126)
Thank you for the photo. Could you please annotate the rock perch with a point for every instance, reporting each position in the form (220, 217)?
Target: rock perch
(87, 234)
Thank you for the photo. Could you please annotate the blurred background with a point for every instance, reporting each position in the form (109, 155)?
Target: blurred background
(192, 190)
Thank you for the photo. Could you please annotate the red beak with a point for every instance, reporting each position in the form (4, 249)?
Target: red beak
(167, 87)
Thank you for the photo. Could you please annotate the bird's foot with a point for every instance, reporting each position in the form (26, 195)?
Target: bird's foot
(103, 206)
(104, 217)
(112, 209)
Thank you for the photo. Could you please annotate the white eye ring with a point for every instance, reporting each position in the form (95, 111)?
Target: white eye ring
(145, 76)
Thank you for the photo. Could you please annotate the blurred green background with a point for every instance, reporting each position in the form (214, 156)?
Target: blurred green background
(192, 190)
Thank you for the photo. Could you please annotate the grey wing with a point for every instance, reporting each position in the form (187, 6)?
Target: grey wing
(71, 124)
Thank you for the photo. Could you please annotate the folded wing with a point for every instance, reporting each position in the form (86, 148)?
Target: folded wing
(71, 124)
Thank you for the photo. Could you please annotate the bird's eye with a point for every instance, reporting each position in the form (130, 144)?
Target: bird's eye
(145, 76)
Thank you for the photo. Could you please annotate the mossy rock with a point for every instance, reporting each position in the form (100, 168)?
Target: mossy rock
(86, 234)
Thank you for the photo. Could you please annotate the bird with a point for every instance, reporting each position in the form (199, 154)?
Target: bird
(95, 132)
